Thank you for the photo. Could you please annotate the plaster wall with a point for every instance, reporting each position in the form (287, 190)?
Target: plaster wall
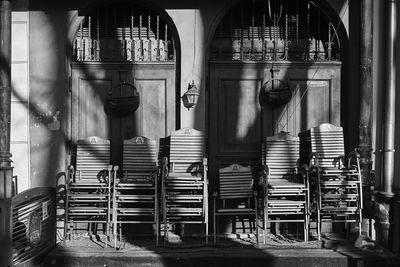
(20, 148)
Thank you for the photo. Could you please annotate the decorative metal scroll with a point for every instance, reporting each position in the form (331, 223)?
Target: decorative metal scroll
(123, 32)
(275, 30)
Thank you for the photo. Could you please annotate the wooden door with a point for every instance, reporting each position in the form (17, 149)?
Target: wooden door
(89, 115)
(238, 122)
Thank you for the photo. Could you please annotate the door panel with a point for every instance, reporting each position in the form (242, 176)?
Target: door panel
(91, 116)
(310, 106)
(240, 116)
(154, 118)
(238, 123)
(152, 111)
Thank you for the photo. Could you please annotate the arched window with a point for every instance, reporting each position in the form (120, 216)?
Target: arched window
(123, 32)
(276, 30)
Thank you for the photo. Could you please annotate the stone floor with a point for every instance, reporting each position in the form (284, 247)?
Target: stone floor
(231, 250)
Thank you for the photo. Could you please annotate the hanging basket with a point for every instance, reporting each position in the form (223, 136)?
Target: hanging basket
(123, 104)
(276, 92)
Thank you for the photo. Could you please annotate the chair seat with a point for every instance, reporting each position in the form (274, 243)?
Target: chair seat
(88, 211)
(183, 177)
(184, 210)
(337, 197)
(236, 210)
(185, 198)
(135, 211)
(87, 196)
(337, 183)
(141, 185)
(285, 203)
(120, 197)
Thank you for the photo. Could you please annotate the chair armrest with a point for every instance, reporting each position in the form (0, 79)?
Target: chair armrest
(314, 155)
(70, 169)
(164, 167)
(353, 157)
(255, 193)
(164, 161)
(115, 172)
(304, 167)
(313, 161)
(354, 154)
(70, 173)
(263, 174)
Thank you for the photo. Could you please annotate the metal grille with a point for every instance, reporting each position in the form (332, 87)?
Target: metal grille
(275, 30)
(33, 224)
(123, 33)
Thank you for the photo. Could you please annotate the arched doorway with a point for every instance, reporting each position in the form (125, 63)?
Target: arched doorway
(264, 46)
(122, 50)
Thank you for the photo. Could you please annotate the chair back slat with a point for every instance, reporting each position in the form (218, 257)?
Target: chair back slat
(139, 155)
(92, 158)
(235, 181)
(186, 150)
(281, 155)
(328, 142)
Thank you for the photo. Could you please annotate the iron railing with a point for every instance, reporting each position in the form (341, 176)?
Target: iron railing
(275, 30)
(123, 33)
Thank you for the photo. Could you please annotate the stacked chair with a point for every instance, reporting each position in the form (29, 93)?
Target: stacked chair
(336, 179)
(184, 180)
(237, 196)
(88, 186)
(286, 189)
(135, 192)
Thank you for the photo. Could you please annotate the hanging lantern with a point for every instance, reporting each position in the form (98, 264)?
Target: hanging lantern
(191, 96)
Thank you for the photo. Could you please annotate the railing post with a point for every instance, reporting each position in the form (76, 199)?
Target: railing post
(6, 171)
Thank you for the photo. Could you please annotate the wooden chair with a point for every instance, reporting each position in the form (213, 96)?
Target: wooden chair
(88, 186)
(135, 194)
(286, 190)
(237, 196)
(184, 180)
(338, 188)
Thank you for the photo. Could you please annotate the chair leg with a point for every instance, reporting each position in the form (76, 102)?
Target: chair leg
(319, 225)
(115, 234)
(106, 235)
(214, 222)
(120, 234)
(318, 220)
(256, 222)
(206, 232)
(215, 229)
(166, 231)
(265, 226)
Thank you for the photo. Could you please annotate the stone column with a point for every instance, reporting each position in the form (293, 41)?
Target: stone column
(366, 105)
(6, 171)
